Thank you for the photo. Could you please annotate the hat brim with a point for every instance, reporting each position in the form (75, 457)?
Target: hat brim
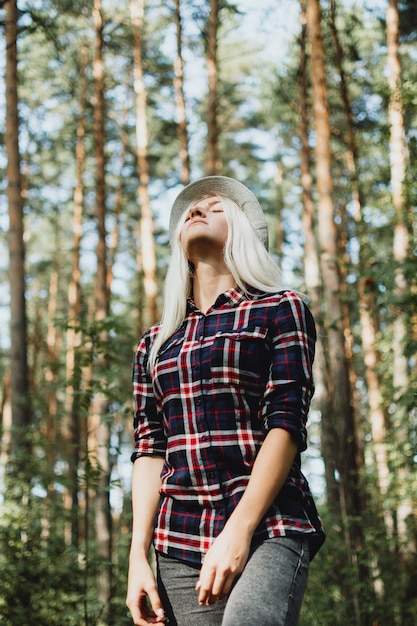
(224, 186)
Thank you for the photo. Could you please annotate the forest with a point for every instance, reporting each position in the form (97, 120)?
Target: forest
(106, 110)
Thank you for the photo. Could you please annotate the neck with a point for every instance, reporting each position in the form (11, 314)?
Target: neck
(210, 280)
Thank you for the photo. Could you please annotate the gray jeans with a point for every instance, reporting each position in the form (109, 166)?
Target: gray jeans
(269, 592)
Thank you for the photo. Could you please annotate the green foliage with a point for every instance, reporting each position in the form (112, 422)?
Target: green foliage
(40, 581)
(385, 599)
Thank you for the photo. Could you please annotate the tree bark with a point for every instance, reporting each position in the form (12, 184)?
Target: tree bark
(348, 456)
(54, 350)
(398, 158)
(401, 243)
(213, 163)
(118, 204)
(72, 429)
(19, 378)
(99, 421)
(147, 253)
(368, 312)
(180, 104)
(312, 275)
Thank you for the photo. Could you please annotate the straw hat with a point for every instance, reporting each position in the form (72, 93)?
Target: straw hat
(224, 186)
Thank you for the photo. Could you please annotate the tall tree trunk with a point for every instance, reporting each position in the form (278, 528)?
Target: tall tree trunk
(347, 454)
(368, 312)
(99, 421)
(72, 426)
(398, 162)
(147, 254)
(398, 159)
(19, 379)
(5, 420)
(54, 348)
(118, 204)
(278, 212)
(213, 164)
(180, 99)
(323, 394)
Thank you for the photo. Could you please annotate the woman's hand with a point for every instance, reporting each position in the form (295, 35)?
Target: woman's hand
(223, 563)
(142, 593)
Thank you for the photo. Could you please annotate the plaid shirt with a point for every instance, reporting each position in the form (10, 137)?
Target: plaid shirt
(220, 383)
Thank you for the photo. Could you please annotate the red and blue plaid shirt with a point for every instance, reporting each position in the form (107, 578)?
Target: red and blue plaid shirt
(219, 384)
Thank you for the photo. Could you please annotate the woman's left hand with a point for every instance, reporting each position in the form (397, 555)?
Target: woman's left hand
(224, 561)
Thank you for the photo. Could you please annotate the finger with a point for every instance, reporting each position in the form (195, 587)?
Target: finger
(204, 585)
(142, 615)
(156, 604)
(222, 585)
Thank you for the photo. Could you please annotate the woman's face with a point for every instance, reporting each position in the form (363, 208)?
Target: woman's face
(205, 228)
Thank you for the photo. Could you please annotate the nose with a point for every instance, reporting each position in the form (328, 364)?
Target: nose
(196, 211)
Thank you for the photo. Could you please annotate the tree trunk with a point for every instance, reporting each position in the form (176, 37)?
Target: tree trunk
(348, 458)
(213, 164)
(323, 393)
(19, 379)
(72, 426)
(398, 160)
(54, 349)
(278, 212)
(99, 421)
(378, 416)
(5, 421)
(147, 254)
(327, 232)
(180, 99)
(118, 205)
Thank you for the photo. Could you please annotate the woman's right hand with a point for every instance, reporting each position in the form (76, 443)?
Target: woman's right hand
(142, 593)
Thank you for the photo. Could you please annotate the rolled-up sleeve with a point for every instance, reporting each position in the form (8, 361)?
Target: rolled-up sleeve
(290, 385)
(149, 435)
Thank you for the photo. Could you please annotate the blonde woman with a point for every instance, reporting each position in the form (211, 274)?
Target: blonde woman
(222, 389)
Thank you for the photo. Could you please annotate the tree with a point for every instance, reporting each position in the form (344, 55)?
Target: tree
(313, 280)
(404, 510)
(72, 424)
(180, 98)
(19, 385)
(146, 253)
(348, 459)
(99, 426)
(212, 154)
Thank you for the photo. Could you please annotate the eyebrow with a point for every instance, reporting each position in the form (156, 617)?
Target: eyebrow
(213, 199)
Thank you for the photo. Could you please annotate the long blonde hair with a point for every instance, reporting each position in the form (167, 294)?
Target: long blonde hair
(245, 256)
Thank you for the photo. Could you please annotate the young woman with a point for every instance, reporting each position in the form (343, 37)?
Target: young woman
(222, 389)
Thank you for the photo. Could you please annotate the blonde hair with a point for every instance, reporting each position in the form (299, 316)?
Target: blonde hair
(245, 256)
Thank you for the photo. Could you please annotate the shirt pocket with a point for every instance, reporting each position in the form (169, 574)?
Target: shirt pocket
(242, 358)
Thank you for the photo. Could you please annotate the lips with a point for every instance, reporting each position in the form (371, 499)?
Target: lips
(196, 221)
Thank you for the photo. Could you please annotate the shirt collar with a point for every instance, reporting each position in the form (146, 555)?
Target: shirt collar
(232, 297)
